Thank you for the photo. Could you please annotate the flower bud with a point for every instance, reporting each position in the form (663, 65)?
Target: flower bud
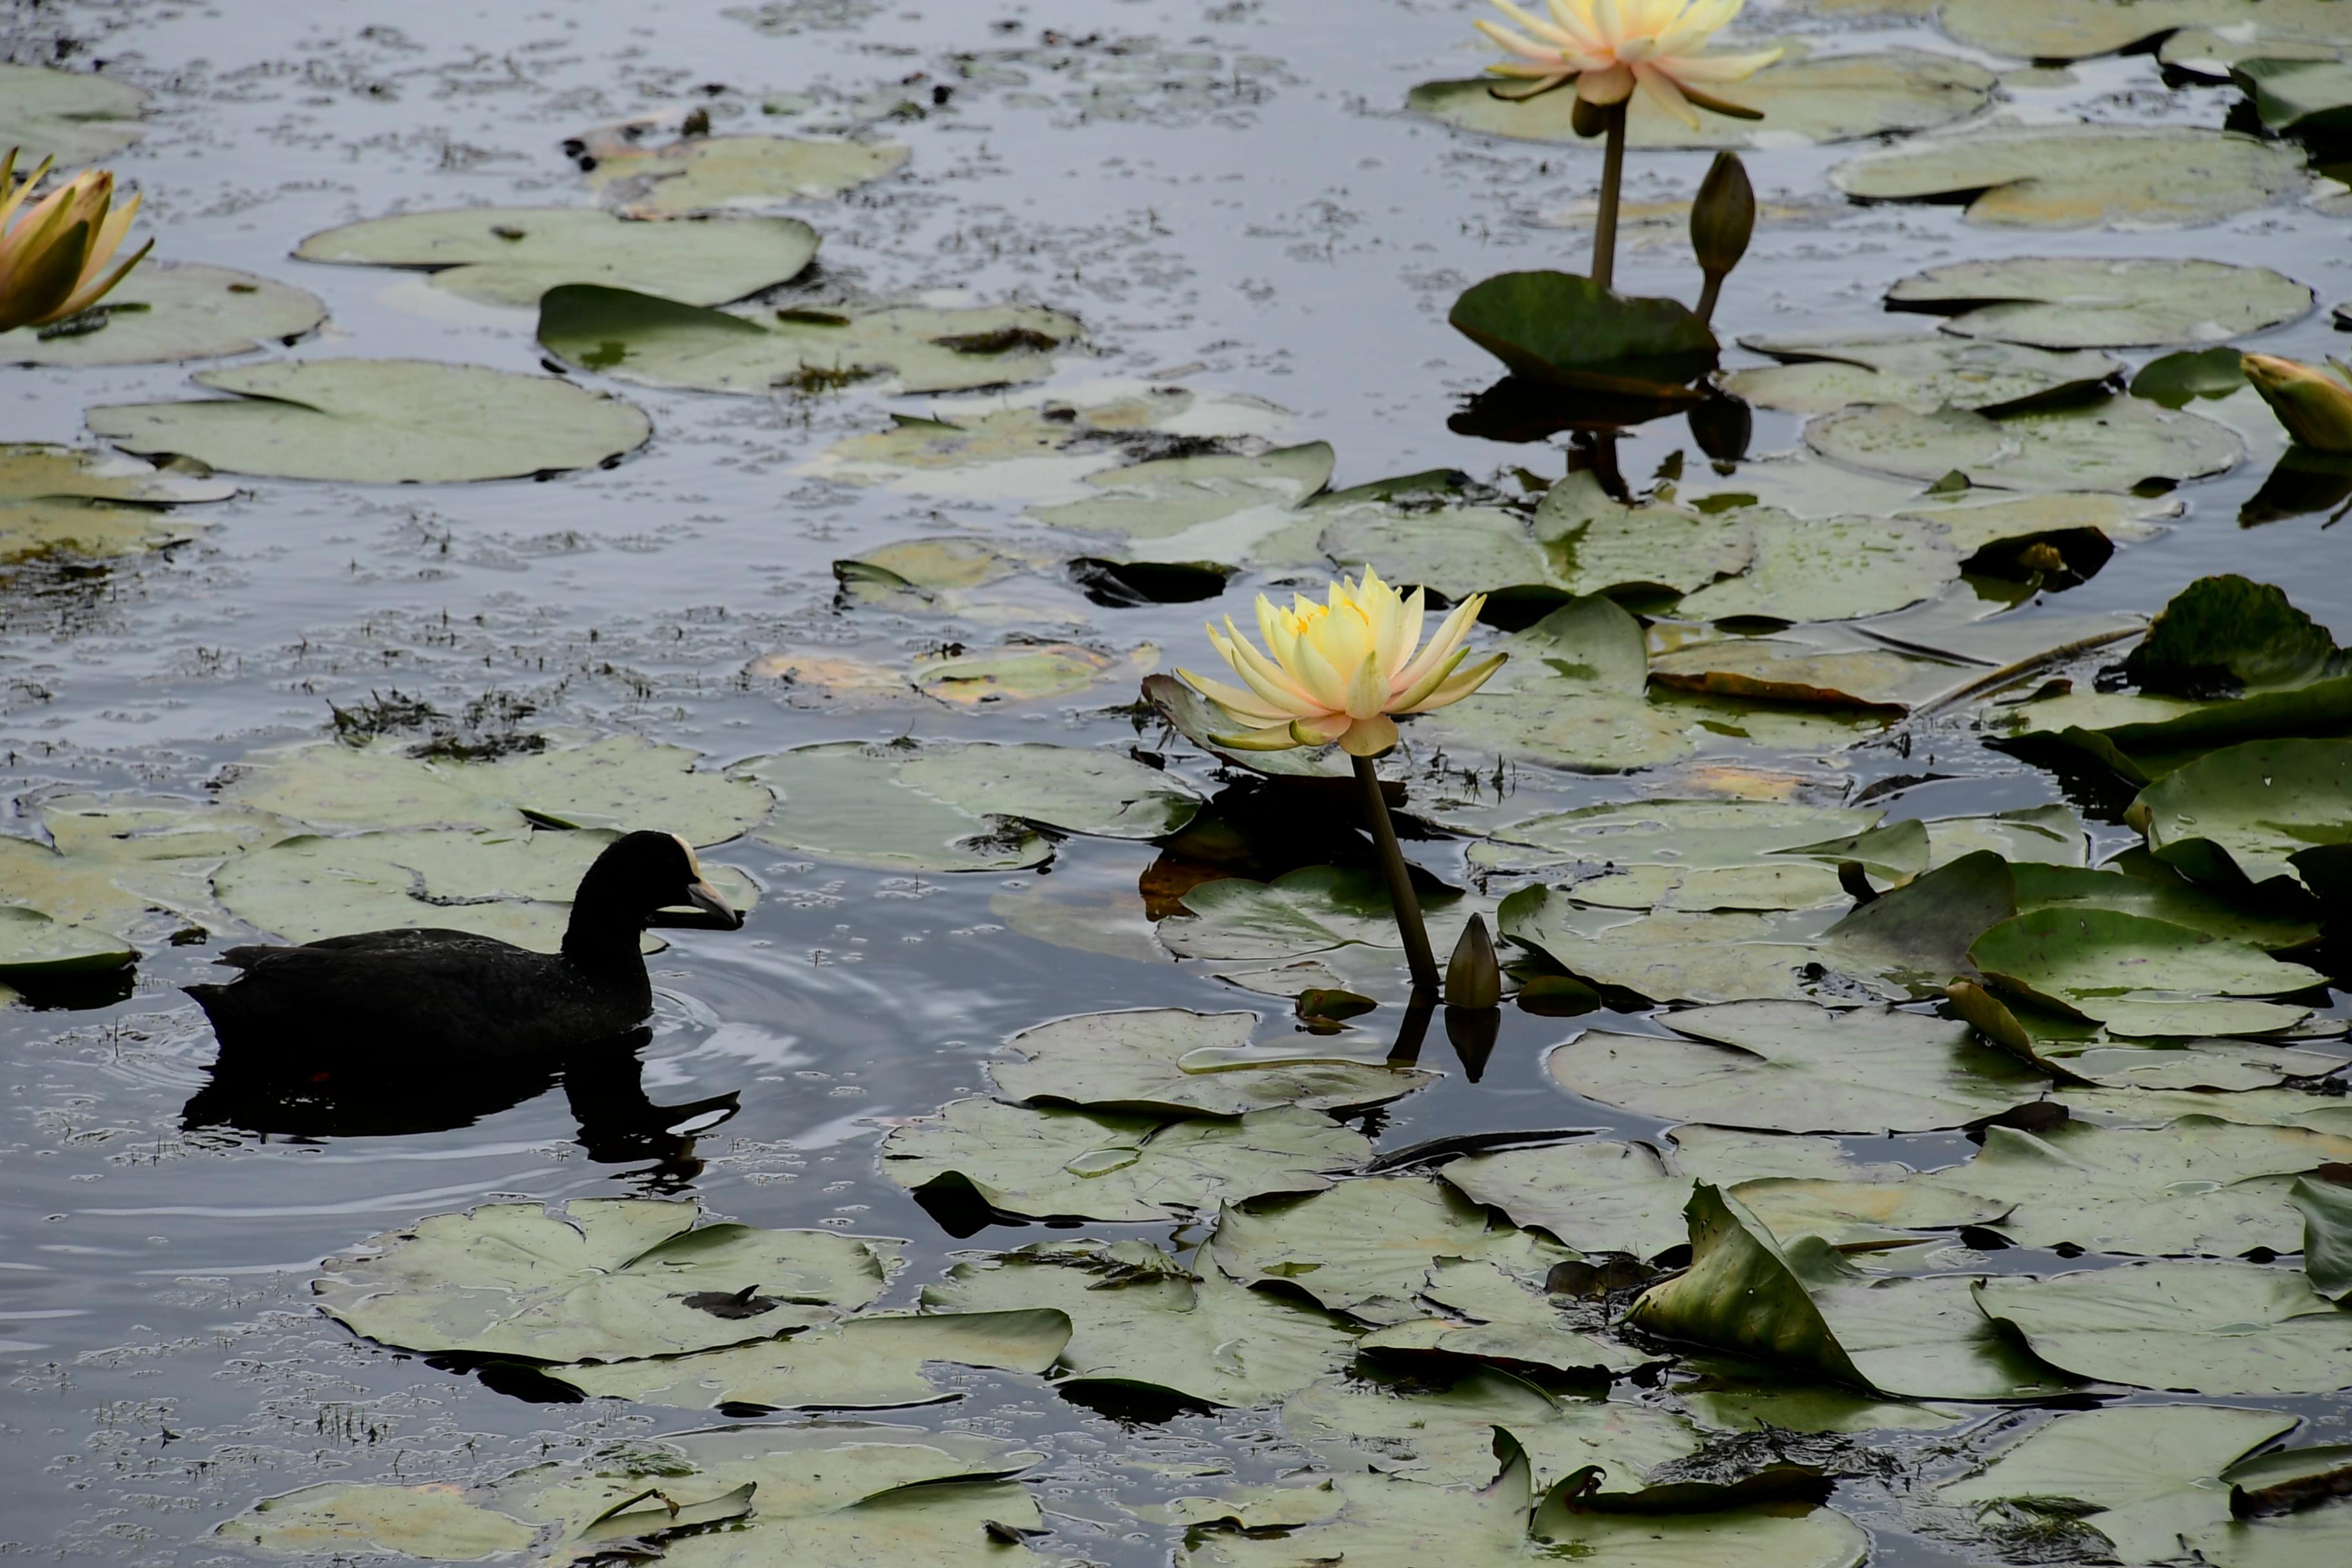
(1723, 215)
(1472, 979)
(1588, 119)
(2315, 407)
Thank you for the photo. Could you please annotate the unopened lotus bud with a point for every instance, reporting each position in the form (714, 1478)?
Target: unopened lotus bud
(2315, 407)
(1588, 119)
(1473, 978)
(1722, 427)
(1723, 215)
(1983, 1012)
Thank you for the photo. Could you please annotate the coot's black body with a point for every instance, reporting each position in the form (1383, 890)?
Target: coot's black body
(410, 997)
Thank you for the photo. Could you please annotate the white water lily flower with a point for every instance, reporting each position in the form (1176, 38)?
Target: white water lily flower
(1342, 670)
(53, 257)
(1608, 48)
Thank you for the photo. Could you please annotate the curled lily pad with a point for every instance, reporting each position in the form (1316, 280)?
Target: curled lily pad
(2326, 1205)
(663, 341)
(2085, 302)
(1172, 1061)
(73, 116)
(175, 311)
(2252, 813)
(1842, 98)
(605, 1279)
(1564, 330)
(2311, 99)
(2076, 176)
(1044, 1162)
(2206, 1328)
(81, 501)
(382, 421)
(2225, 633)
(1922, 373)
(863, 1363)
(2117, 444)
(725, 173)
(511, 256)
(1140, 1320)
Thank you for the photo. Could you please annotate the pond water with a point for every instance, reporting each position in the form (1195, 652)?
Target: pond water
(1232, 199)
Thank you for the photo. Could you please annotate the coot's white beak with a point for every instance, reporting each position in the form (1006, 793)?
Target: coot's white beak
(708, 900)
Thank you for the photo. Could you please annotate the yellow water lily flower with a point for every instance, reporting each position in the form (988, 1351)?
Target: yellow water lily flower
(52, 257)
(1608, 48)
(2315, 407)
(1342, 670)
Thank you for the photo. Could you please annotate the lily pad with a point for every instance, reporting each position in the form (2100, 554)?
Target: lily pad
(382, 421)
(2227, 633)
(1842, 98)
(844, 800)
(2178, 380)
(663, 341)
(511, 256)
(1217, 507)
(1488, 1316)
(2251, 812)
(2078, 29)
(1675, 956)
(715, 173)
(1365, 1249)
(1795, 1068)
(436, 1522)
(1567, 330)
(2327, 1207)
(78, 501)
(1921, 372)
(2204, 1328)
(2311, 99)
(1054, 1164)
(75, 117)
(2139, 976)
(863, 1363)
(1572, 696)
(605, 1279)
(33, 947)
(176, 310)
(945, 1525)
(2081, 176)
(2086, 303)
(1076, 789)
(1170, 1061)
(1833, 568)
(1139, 1321)
(2117, 444)
(1312, 909)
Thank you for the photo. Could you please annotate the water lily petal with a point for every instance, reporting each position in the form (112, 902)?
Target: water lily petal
(1369, 737)
(1234, 700)
(1461, 684)
(1321, 730)
(1724, 68)
(1535, 24)
(1659, 87)
(1613, 85)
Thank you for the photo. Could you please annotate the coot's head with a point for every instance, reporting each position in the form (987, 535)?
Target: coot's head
(637, 876)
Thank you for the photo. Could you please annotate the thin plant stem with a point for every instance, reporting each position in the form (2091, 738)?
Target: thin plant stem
(1414, 935)
(1707, 295)
(1613, 175)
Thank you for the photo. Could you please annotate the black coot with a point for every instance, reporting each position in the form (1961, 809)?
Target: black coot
(406, 997)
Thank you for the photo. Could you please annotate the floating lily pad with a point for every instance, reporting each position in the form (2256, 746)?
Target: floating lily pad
(2227, 633)
(1196, 719)
(660, 341)
(2078, 29)
(2117, 444)
(122, 872)
(1564, 330)
(1795, 1068)
(33, 947)
(1490, 1317)
(2177, 901)
(175, 311)
(75, 117)
(1804, 1308)
(2205, 1327)
(842, 800)
(2326, 1207)
(864, 1363)
(1140, 1320)
(2085, 302)
(2178, 380)
(1833, 568)
(2252, 813)
(2078, 176)
(1211, 508)
(1024, 671)
(81, 502)
(1366, 1247)
(713, 174)
(605, 1279)
(1076, 789)
(2139, 976)
(2311, 99)
(1170, 1061)
(382, 421)
(423, 1521)
(1312, 909)
(1922, 373)
(1802, 98)
(1671, 956)
(1051, 1164)
(511, 256)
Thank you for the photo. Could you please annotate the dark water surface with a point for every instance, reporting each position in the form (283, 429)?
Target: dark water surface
(1262, 212)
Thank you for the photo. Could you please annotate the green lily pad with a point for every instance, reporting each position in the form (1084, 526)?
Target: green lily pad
(1675, 956)
(1803, 1308)
(87, 530)
(382, 421)
(1218, 507)
(1840, 98)
(1565, 329)
(1446, 1438)
(660, 341)
(2177, 901)
(1833, 568)
(2117, 444)
(864, 1363)
(2201, 1186)
(2081, 176)
(844, 800)
(1139, 1321)
(2086, 303)
(1312, 909)
(1365, 1249)
(1488, 1317)
(511, 256)
(1687, 854)
(605, 1279)
(2251, 812)
(2203, 1328)
(77, 500)
(948, 1524)
(176, 310)
(2078, 29)
(34, 947)
(75, 117)
(2327, 1207)
(2139, 976)
(748, 174)
(2298, 97)
(129, 868)
(1199, 720)
(1053, 1163)
(1168, 1061)
(423, 1521)
(2228, 632)
(1795, 1068)
(1922, 373)
(2178, 380)
(1076, 789)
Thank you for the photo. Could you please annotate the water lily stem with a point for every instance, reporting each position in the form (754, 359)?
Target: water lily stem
(1707, 295)
(1410, 930)
(1613, 175)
